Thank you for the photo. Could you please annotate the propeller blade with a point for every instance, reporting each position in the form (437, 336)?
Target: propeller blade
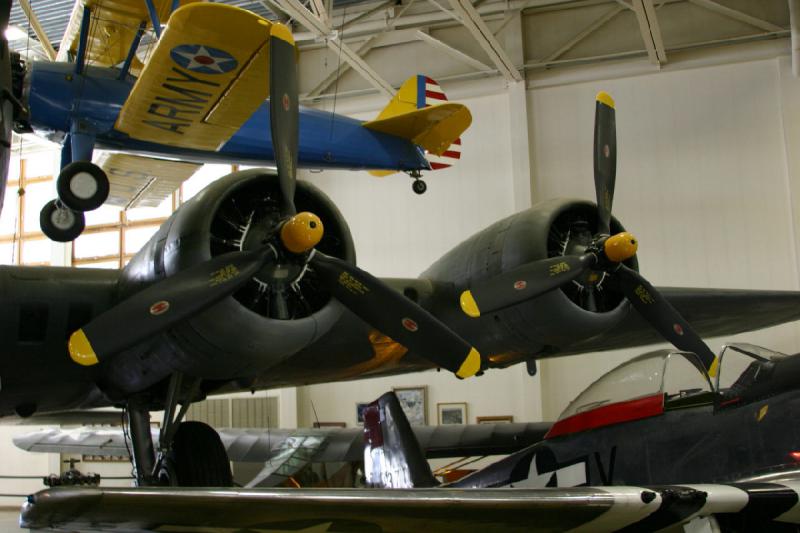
(284, 111)
(605, 159)
(523, 283)
(663, 317)
(396, 316)
(162, 305)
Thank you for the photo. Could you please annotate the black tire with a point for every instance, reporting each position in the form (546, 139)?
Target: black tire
(93, 197)
(419, 186)
(61, 224)
(198, 458)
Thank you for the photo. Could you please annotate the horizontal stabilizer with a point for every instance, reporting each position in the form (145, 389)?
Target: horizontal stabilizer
(433, 128)
(393, 458)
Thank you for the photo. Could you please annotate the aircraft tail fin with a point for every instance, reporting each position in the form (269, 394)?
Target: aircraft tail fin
(421, 113)
(393, 458)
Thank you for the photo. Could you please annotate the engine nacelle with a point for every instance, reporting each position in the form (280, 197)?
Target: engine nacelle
(556, 319)
(240, 335)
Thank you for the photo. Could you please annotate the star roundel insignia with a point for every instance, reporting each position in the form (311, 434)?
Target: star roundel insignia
(285, 102)
(677, 328)
(410, 325)
(159, 308)
(203, 59)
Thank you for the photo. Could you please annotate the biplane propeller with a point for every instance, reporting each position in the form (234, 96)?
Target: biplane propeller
(291, 241)
(604, 256)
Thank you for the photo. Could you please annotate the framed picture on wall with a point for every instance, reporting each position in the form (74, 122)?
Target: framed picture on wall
(504, 419)
(360, 406)
(452, 413)
(414, 402)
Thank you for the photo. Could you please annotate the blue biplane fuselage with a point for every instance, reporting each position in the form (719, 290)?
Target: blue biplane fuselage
(59, 99)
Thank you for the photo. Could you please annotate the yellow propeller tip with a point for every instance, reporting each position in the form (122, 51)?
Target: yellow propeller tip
(605, 98)
(80, 349)
(471, 365)
(281, 32)
(714, 368)
(468, 304)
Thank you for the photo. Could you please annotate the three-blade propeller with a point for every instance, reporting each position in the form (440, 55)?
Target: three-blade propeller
(605, 254)
(180, 296)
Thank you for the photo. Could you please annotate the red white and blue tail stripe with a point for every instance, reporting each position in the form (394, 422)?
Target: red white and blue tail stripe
(429, 93)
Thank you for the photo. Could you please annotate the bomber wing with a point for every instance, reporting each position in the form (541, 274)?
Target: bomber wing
(206, 76)
(711, 312)
(596, 509)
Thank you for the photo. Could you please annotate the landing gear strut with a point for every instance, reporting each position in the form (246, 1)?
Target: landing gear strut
(187, 454)
(418, 186)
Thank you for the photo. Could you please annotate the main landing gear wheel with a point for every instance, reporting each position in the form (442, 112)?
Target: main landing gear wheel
(197, 457)
(419, 186)
(82, 186)
(59, 223)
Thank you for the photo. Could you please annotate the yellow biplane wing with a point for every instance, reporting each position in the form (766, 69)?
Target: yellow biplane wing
(207, 75)
(113, 27)
(138, 181)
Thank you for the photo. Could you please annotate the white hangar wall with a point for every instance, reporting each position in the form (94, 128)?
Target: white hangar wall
(707, 179)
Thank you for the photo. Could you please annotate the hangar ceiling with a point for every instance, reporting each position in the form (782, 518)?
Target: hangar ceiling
(360, 47)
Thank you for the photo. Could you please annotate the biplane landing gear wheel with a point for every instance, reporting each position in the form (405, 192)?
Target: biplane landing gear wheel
(59, 223)
(419, 186)
(197, 457)
(82, 186)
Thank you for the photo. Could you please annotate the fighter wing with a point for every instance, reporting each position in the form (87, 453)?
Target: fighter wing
(138, 181)
(206, 76)
(114, 24)
(259, 445)
(596, 509)
(711, 312)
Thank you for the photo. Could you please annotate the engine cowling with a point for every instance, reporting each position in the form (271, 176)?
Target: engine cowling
(243, 334)
(554, 320)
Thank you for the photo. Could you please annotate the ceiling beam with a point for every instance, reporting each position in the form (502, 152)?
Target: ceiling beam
(453, 52)
(477, 27)
(329, 80)
(651, 31)
(587, 31)
(334, 41)
(365, 14)
(319, 10)
(737, 15)
(273, 6)
(38, 30)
